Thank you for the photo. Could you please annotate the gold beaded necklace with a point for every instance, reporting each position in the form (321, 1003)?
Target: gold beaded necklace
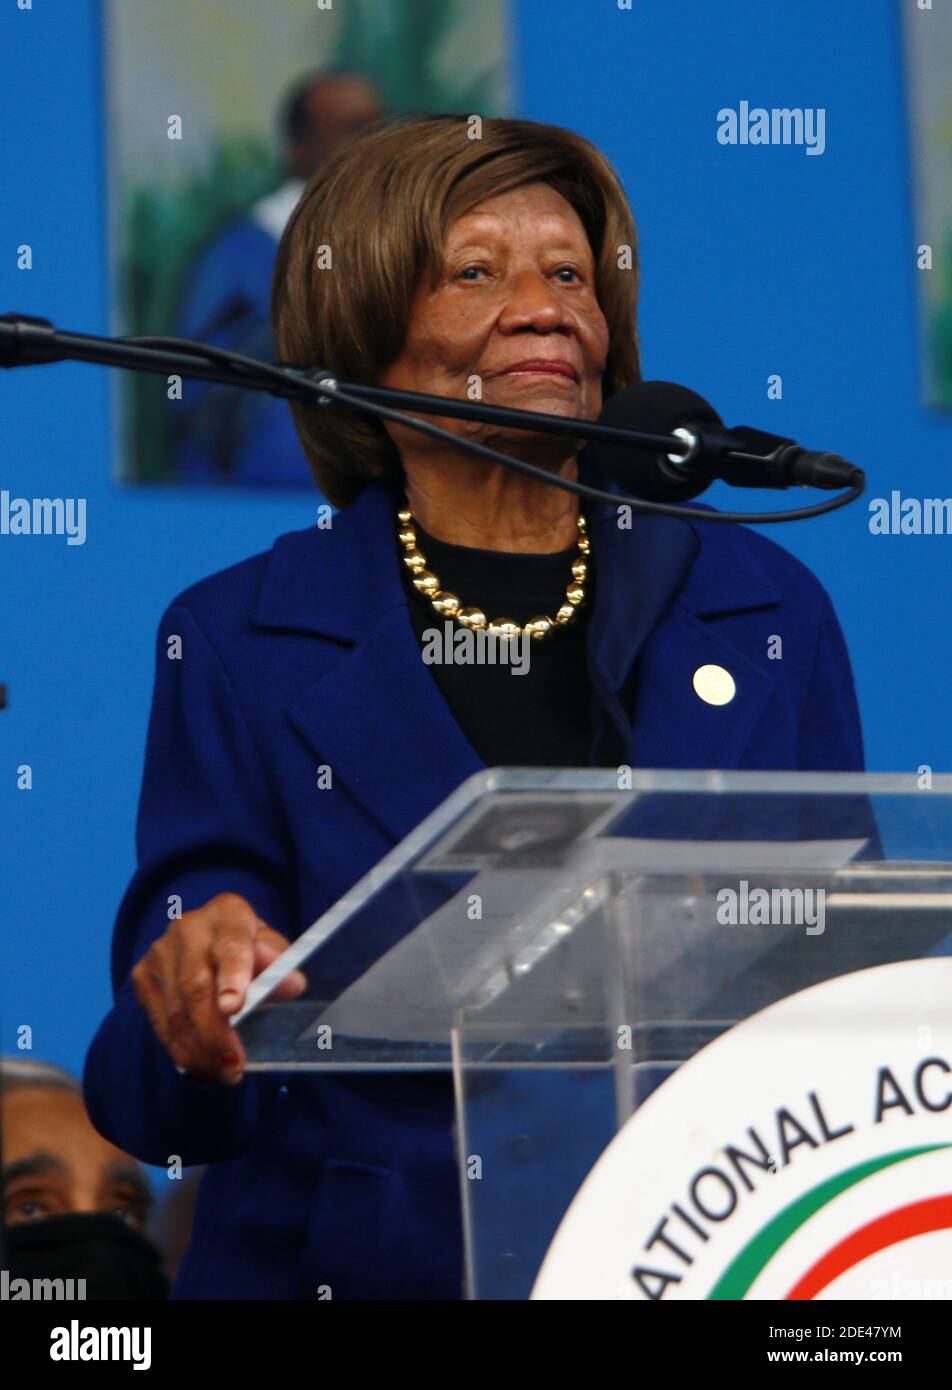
(448, 605)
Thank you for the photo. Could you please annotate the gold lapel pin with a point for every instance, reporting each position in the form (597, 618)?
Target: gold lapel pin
(714, 685)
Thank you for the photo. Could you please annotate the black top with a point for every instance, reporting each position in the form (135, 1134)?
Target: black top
(542, 718)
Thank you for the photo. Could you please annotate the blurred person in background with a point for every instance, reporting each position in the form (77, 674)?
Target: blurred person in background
(223, 434)
(75, 1206)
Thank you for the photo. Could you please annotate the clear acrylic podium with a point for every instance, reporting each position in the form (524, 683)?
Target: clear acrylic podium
(555, 942)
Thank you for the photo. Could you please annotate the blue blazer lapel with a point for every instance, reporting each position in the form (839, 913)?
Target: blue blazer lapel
(638, 574)
(376, 718)
(661, 586)
(673, 726)
(379, 721)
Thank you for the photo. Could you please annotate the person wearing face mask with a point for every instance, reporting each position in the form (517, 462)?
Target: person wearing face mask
(75, 1206)
(502, 267)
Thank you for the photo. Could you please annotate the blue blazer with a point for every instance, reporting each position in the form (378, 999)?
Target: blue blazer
(220, 434)
(306, 656)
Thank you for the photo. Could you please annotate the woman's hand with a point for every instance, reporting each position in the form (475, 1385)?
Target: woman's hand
(194, 978)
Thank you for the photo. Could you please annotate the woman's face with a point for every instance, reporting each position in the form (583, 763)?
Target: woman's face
(514, 320)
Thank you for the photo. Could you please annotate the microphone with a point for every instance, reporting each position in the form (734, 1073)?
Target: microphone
(662, 442)
(741, 456)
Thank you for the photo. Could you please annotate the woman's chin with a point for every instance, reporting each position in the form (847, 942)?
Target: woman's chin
(546, 395)
(551, 452)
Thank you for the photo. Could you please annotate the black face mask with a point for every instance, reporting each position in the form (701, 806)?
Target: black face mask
(115, 1260)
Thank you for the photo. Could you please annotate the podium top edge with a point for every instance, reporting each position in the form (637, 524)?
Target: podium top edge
(517, 779)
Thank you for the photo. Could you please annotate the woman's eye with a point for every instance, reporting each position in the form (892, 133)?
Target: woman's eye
(567, 270)
(469, 272)
(26, 1211)
(135, 1212)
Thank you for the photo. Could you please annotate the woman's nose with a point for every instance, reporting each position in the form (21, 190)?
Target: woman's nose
(533, 303)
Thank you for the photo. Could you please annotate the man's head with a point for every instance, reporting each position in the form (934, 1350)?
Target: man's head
(54, 1162)
(323, 113)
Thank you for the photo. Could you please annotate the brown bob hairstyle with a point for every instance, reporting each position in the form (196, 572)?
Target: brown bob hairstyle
(374, 219)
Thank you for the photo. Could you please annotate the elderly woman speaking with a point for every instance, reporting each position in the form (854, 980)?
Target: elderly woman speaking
(501, 267)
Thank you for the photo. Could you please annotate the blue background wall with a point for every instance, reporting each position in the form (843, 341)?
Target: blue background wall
(755, 260)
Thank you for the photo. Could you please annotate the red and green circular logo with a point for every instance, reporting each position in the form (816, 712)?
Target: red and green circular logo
(805, 1154)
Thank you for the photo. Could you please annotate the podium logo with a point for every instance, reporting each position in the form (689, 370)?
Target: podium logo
(802, 1155)
(772, 907)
